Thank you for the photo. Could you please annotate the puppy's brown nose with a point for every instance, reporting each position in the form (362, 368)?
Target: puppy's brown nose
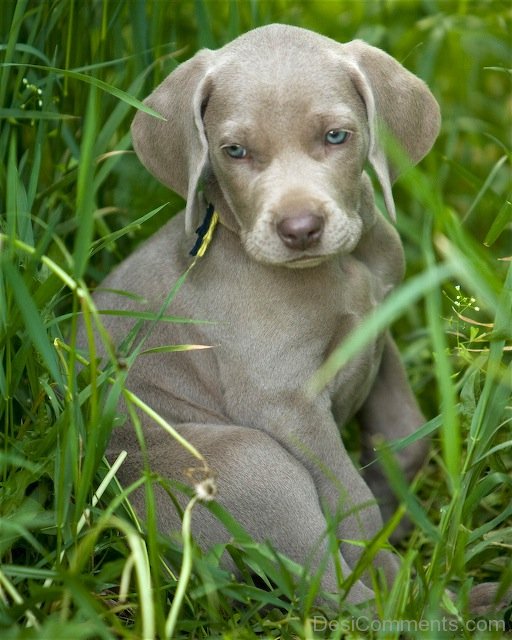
(300, 231)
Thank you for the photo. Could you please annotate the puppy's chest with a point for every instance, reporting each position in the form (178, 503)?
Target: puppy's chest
(289, 325)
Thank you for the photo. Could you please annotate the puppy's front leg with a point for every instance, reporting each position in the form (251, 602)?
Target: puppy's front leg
(390, 412)
(269, 492)
(309, 432)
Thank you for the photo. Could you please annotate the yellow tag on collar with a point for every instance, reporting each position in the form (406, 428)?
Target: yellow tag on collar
(208, 235)
(205, 232)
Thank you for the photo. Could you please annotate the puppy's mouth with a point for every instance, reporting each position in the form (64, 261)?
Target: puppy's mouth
(305, 262)
(269, 249)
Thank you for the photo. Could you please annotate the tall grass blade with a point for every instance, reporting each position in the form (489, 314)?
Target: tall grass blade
(500, 223)
(451, 441)
(390, 310)
(32, 320)
(95, 82)
(85, 205)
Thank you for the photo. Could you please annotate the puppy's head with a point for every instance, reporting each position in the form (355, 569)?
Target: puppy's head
(277, 127)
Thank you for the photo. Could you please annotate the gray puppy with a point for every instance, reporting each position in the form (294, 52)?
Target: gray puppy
(275, 129)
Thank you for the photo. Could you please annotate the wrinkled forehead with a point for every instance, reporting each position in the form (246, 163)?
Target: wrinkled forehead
(262, 83)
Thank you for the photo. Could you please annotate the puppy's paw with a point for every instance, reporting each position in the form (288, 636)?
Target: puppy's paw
(486, 598)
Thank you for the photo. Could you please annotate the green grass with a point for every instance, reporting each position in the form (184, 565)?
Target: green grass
(74, 560)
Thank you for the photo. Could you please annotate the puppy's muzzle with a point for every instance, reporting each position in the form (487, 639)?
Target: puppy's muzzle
(301, 231)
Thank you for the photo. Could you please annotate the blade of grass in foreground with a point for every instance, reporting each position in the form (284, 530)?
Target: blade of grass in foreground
(85, 195)
(32, 320)
(450, 426)
(95, 82)
(390, 310)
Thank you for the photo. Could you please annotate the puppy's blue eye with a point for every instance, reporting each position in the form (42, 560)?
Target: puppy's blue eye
(337, 136)
(236, 151)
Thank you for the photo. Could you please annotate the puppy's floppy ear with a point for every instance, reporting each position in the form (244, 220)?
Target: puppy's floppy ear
(397, 101)
(175, 150)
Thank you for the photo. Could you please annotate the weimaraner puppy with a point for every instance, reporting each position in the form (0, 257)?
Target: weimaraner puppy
(274, 131)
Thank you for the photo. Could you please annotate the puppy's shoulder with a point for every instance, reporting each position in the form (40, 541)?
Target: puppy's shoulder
(155, 264)
(380, 249)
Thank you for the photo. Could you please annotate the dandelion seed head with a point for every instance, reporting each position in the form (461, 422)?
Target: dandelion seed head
(206, 489)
